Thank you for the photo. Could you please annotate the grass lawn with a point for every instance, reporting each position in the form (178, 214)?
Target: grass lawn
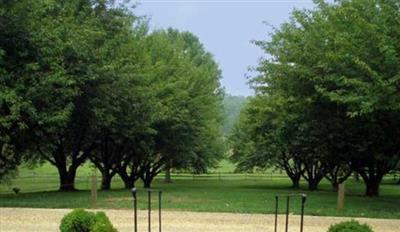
(242, 196)
(255, 195)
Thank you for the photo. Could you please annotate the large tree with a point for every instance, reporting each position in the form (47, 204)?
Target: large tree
(123, 106)
(184, 119)
(60, 49)
(335, 70)
(188, 122)
(14, 68)
(264, 137)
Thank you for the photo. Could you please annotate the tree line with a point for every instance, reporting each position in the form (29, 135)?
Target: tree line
(86, 80)
(327, 99)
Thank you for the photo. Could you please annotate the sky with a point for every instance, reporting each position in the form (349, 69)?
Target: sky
(226, 29)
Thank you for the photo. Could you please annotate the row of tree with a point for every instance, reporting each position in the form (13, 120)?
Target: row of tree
(327, 101)
(86, 80)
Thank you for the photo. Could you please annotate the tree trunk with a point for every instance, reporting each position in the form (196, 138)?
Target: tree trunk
(337, 174)
(372, 180)
(335, 186)
(356, 176)
(67, 179)
(313, 184)
(128, 182)
(313, 181)
(147, 181)
(314, 172)
(295, 181)
(372, 188)
(106, 180)
(147, 184)
(293, 171)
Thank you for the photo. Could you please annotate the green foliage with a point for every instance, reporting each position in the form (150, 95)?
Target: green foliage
(243, 140)
(187, 100)
(350, 226)
(102, 224)
(98, 227)
(80, 220)
(327, 110)
(13, 108)
(84, 79)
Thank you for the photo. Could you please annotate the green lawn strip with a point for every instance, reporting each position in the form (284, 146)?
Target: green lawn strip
(225, 196)
(45, 177)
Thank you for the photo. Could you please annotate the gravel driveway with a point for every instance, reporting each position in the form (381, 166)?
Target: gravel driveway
(30, 220)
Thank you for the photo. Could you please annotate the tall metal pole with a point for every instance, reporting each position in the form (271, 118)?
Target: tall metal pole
(287, 213)
(134, 208)
(276, 213)
(159, 211)
(303, 200)
(149, 207)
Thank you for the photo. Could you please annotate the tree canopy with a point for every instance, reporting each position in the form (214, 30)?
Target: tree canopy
(327, 95)
(86, 80)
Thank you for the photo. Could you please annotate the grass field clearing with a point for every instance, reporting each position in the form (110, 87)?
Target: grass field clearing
(244, 196)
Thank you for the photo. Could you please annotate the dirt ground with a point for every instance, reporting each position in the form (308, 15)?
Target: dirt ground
(30, 220)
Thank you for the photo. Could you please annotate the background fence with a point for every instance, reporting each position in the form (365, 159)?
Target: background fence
(32, 182)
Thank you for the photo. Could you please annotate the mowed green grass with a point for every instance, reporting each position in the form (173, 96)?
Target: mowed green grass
(238, 196)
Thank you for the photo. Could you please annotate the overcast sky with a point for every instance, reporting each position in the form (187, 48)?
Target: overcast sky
(226, 28)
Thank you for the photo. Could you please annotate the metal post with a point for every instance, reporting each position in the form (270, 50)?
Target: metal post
(149, 208)
(287, 213)
(159, 211)
(134, 208)
(303, 200)
(276, 213)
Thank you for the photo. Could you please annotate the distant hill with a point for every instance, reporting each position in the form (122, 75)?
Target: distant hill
(232, 107)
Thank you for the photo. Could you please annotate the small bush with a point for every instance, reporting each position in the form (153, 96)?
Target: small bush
(103, 224)
(350, 226)
(99, 227)
(80, 220)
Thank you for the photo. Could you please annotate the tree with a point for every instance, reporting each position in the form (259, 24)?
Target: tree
(13, 69)
(376, 144)
(61, 45)
(264, 137)
(66, 124)
(87, 81)
(183, 113)
(186, 85)
(122, 106)
(352, 65)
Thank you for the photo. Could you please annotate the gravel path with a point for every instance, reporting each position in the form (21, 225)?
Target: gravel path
(31, 220)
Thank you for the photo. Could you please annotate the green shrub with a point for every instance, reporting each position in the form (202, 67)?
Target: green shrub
(350, 226)
(80, 220)
(99, 227)
(102, 224)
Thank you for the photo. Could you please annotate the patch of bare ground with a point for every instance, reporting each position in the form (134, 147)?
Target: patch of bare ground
(30, 220)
